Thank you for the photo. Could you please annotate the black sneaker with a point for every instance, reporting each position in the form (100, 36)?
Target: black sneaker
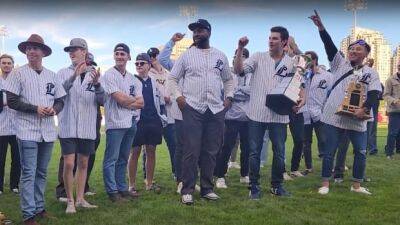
(279, 191)
(129, 195)
(115, 197)
(373, 152)
(254, 193)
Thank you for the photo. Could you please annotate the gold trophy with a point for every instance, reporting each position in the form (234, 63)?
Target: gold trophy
(354, 98)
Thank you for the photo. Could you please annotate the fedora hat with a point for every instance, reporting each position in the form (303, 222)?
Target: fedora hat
(35, 40)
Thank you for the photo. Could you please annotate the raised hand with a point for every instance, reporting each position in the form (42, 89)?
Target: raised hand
(243, 41)
(177, 37)
(317, 20)
(95, 74)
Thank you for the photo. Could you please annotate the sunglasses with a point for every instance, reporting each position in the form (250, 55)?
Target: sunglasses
(140, 63)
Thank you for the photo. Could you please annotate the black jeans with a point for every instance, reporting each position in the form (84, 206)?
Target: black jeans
(178, 150)
(233, 128)
(15, 171)
(203, 134)
(296, 126)
(308, 137)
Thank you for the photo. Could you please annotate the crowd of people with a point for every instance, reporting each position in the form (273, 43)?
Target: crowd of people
(202, 108)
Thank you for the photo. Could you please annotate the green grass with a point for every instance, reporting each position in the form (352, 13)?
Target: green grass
(304, 207)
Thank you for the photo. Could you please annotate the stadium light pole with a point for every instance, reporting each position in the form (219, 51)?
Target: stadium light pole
(189, 12)
(354, 5)
(3, 34)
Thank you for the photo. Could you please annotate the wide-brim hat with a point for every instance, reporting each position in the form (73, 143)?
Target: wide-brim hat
(37, 41)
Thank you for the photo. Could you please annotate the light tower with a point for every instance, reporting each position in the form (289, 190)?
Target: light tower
(3, 34)
(189, 12)
(354, 5)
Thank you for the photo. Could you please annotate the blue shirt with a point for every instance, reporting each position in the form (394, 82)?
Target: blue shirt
(149, 111)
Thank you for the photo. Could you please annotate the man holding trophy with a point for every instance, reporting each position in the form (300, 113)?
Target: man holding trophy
(355, 89)
(269, 70)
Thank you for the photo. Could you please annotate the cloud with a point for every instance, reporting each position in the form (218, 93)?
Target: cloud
(164, 23)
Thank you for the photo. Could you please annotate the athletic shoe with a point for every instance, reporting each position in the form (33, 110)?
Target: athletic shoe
(296, 174)
(129, 195)
(211, 196)
(70, 207)
(346, 168)
(62, 199)
(197, 188)
(323, 190)
(286, 177)
(85, 204)
(1, 192)
(254, 193)
(179, 188)
(338, 180)
(220, 183)
(373, 152)
(115, 197)
(90, 193)
(389, 157)
(361, 190)
(306, 172)
(279, 191)
(245, 180)
(15, 191)
(187, 199)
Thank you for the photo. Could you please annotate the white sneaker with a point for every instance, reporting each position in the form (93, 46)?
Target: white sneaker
(220, 183)
(286, 177)
(1, 192)
(197, 188)
(70, 207)
(211, 196)
(346, 168)
(62, 199)
(90, 193)
(187, 199)
(15, 190)
(85, 204)
(323, 190)
(179, 188)
(296, 174)
(361, 190)
(339, 180)
(245, 180)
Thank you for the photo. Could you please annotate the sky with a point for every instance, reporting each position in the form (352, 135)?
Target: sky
(145, 24)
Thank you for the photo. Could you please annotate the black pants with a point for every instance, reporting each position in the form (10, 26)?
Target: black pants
(233, 128)
(296, 126)
(308, 137)
(15, 171)
(178, 150)
(203, 134)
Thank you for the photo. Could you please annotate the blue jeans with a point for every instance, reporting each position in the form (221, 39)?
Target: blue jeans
(372, 130)
(35, 157)
(340, 163)
(359, 142)
(393, 132)
(277, 134)
(118, 145)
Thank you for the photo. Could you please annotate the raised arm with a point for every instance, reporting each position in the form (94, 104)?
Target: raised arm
(238, 62)
(165, 55)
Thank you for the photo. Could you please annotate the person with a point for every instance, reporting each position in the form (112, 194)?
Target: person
(236, 125)
(316, 88)
(123, 99)
(203, 70)
(7, 130)
(392, 98)
(61, 194)
(36, 94)
(344, 72)
(268, 69)
(149, 127)
(77, 122)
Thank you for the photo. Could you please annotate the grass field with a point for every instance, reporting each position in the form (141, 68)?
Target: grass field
(305, 206)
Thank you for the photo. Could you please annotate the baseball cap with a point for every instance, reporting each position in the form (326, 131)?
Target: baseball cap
(246, 53)
(362, 43)
(200, 23)
(153, 52)
(90, 59)
(143, 57)
(76, 43)
(122, 47)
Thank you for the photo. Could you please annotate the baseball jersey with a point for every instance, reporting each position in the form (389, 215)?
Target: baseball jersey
(316, 91)
(116, 116)
(39, 90)
(266, 75)
(7, 116)
(367, 76)
(241, 98)
(202, 71)
(78, 118)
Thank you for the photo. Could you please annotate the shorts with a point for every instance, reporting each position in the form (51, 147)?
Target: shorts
(76, 145)
(148, 133)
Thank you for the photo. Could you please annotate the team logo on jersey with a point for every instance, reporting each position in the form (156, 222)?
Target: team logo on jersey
(50, 89)
(366, 78)
(219, 65)
(90, 87)
(132, 90)
(322, 84)
(160, 81)
(281, 71)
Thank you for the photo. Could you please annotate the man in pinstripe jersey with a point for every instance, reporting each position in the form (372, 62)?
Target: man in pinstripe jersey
(268, 69)
(203, 69)
(36, 94)
(78, 120)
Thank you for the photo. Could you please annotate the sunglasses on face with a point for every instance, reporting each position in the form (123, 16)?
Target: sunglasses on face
(140, 63)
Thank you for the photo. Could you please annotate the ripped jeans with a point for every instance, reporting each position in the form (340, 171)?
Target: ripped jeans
(359, 142)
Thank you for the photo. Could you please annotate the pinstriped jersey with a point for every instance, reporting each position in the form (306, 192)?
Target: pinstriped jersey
(116, 116)
(266, 75)
(39, 90)
(78, 118)
(316, 92)
(7, 116)
(367, 76)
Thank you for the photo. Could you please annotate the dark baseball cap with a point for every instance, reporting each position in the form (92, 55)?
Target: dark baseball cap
(122, 47)
(200, 23)
(90, 59)
(143, 57)
(76, 43)
(362, 43)
(153, 52)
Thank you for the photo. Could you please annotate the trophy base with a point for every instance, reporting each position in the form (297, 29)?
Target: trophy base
(351, 114)
(280, 104)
